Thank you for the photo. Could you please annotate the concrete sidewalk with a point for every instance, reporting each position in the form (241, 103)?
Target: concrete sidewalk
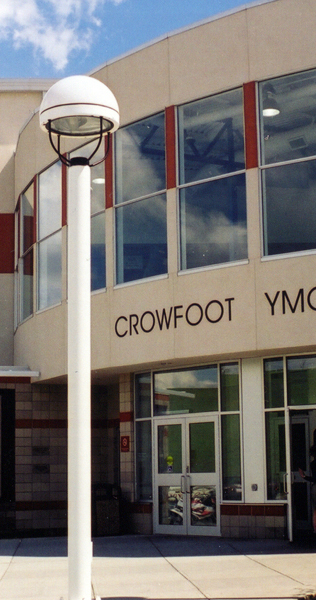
(161, 567)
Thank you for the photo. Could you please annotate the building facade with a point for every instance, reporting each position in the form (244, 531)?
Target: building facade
(203, 260)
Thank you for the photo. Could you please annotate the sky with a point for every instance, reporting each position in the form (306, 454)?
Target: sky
(58, 38)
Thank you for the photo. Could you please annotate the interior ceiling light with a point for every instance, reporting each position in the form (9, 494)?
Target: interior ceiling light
(270, 107)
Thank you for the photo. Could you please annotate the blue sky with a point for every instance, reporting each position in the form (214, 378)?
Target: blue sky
(57, 38)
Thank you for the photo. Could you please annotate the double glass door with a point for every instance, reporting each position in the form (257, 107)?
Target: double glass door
(186, 491)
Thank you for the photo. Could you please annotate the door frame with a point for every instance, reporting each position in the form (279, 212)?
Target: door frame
(183, 480)
(293, 415)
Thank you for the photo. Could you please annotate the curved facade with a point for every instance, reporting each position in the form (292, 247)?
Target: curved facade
(203, 226)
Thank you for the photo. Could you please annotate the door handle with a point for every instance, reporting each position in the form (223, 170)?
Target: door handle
(188, 484)
(183, 490)
(285, 483)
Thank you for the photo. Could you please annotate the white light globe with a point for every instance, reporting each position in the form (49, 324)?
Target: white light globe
(77, 105)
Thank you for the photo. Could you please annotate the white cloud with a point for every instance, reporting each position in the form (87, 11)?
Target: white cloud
(53, 28)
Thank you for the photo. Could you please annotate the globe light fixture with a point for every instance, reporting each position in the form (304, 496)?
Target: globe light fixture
(79, 107)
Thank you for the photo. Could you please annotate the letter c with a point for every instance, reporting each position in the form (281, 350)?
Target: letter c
(116, 329)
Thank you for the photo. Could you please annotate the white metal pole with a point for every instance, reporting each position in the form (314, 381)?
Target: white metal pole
(79, 385)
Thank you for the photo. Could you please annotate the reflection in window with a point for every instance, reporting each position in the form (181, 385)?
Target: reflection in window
(143, 460)
(98, 251)
(186, 391)
(301, 380)
(273, 383)
(141, 221)
(143, 436)
(26, 282)
(288, 136)
(49, 271)
(141, 239)
(140, 158)
(143, 395)
(213, 221)
(49, 237)
(289, 208)
(275, 453)
(231, 458)
(211, 137)
(229, 375)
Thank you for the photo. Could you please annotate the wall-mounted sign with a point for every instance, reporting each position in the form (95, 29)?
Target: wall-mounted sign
(125, 443)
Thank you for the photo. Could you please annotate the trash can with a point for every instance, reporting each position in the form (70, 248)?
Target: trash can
(105, 509)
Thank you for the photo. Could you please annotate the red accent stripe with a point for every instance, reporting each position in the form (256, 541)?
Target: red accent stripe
(171, 147)
(15, 380)
(41, 505)
(126, 417)
(109, 176)
(104, 423)
(41, 423)
(250, 116)
(267, 510)
(7, 242)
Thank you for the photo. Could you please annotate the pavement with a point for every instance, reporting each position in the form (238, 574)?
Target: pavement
(163, 567)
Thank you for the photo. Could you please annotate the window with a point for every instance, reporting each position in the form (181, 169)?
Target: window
(301, 380)
(186, 391)
(25, 237)
(49, 237)
(213, 222)
(230, 424)
(140, 182)
(275, 428)
(143, 436)
(288, 153)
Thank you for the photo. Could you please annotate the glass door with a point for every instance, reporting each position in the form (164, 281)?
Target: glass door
(186, 497)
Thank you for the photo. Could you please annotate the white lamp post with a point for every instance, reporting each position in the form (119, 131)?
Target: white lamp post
(79, 106)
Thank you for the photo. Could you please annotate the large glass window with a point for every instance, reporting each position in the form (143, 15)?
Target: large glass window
(213, 221)
(49, 237)
(140, 181)
(288, 151)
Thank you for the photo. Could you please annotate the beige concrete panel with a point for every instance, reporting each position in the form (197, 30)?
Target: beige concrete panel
(231, 291)
(172, 231)
(282, 37)
(15, 109)
(6, 318)
(209, 58)
(33, 154)
(7, 187)
(41, 342)
(253, 213)
(164, 312)
(100, 330)
(253, 430)
(140, 82)
(289, 282)
(137, 346)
